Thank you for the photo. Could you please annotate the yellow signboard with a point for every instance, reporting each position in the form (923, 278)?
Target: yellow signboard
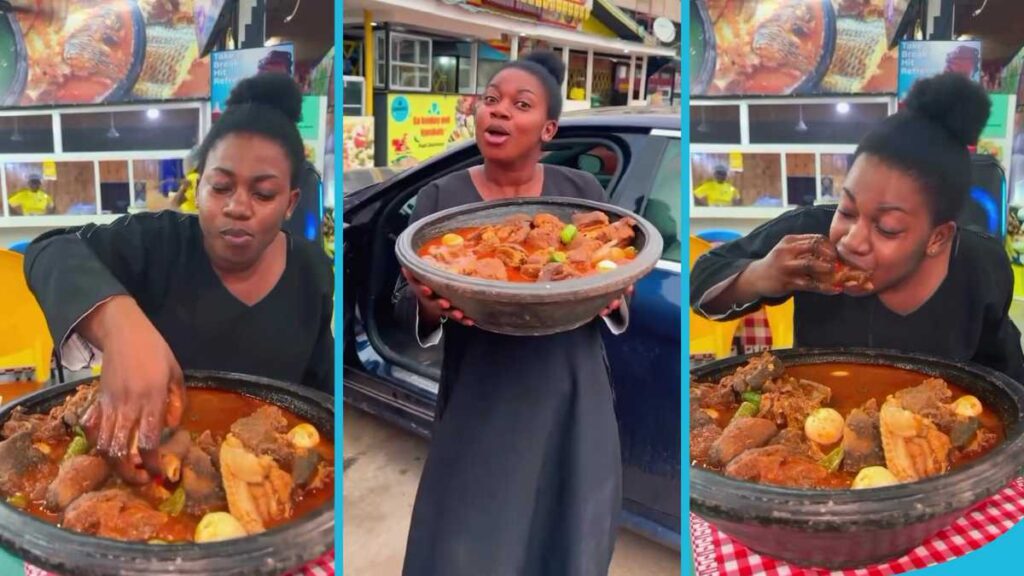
(423, 125)
(49, 170)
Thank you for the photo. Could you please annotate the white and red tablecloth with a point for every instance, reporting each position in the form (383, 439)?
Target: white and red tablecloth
(716, 554)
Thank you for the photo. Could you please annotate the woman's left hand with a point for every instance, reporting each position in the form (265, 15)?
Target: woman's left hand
(617, 302)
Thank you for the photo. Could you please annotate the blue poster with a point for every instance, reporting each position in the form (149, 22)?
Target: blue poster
(229, 67)
(927, 58)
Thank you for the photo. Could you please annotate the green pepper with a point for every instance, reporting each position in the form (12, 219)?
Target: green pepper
(752, 397)
(746, 410)
(78, 447)
(568, 233)
(831, 461)
(558, 256)
(175, 503)
(18, 500)
(79, 432)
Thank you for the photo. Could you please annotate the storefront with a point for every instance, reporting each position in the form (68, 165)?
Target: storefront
(417, 96)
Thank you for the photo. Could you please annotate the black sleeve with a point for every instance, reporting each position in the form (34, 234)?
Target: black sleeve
(426, 202)
(71, 271)
(320, 372)
(1000, 344)
(729, 259)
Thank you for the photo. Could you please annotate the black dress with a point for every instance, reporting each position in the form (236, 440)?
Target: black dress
(524, 472)
(159, 259)
(966, 319)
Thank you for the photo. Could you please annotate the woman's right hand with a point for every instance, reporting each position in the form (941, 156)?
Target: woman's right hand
(432, 306)
(141, 388)
(798, 263)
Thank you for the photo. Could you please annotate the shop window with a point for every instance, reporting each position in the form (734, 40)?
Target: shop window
(354, 96)
(155, 181)
(115, 189)
(814, 123)
(26, 134)
(610, 85)
(143, 129)
(380, 54)
(445, 74)
(410, 62)
(489, 61)
(600, 160)
(833, 173)
(715, 124)
(466, 82)
(63, 188)
(736, 179)
(801, 185)
(577, 76)
(663, 208)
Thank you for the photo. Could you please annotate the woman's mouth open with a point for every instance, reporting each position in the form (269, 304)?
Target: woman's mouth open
(496, 135)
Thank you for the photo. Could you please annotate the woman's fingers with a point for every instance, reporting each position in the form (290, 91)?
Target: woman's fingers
(107, 424)
(175, 402)
(127, 419)
(443, 304)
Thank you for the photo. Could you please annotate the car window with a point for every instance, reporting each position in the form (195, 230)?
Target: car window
(598, 159)
(663, 208)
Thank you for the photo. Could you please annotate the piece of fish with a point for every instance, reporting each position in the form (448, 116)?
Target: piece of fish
(779, 39)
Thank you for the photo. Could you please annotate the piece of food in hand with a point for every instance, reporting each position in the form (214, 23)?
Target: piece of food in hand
(874, 477)
(845, 276)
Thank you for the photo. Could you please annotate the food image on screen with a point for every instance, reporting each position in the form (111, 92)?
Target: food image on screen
(835, 426)
(766, 47)
(541, 248)
(84, 58)
(236, 466)
(862, 61)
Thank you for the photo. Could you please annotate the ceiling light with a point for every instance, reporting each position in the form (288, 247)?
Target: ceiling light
(843, 108)
(152, 113)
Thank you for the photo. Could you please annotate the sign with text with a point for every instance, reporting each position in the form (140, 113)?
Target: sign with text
(926, 58)
(230, 67)
(422, 125)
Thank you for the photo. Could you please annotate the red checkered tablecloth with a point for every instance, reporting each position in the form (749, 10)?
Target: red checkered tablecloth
(715, 554)
(753, 336)
(322, 566)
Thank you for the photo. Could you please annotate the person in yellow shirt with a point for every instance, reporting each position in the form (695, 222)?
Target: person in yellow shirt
(717, 192)
(185, 197)
(31, 201)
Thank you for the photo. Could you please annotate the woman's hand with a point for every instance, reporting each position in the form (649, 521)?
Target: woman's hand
(617, 303)
(797, 263)
(433, 307)
(141, 387)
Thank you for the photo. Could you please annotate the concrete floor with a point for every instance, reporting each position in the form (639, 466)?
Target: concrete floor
(382, 470)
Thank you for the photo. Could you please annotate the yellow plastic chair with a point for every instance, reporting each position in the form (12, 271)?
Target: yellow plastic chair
(780, 322)
(698, 246)
(25, 341)
(709, 336)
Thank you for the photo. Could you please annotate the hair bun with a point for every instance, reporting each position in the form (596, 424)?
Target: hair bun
(954, 102)
(271, 89)
(550, 62)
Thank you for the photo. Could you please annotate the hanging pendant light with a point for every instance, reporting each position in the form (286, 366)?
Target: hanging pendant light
(16, 137)
(703, 127)
(800, 125)
(112, 133)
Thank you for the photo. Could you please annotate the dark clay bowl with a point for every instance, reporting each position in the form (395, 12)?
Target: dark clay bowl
(522, 308)
(271, 553)
(844, 529)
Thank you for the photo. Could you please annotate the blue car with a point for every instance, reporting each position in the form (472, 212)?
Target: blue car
(635, 154)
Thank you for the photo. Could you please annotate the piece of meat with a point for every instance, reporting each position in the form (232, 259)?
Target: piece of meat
(202, 483)
(914, 447)
(113, 514)
(489, 269)
(718, 396)
(550, 221)
(777, 464)
(555, 271)
(543, 239)
(789, 401)
(42, 427)
(77, 476)
(207, 443)
(740, 435)
(983, 441)
(17, 457)
(74, 407)
(534, 263)
(793, 438)
(755, 373)
(257, 490)
(703, 434)
(589, 220)
(172, 453)
(513, 233)
(263, 432)
(848, 277)
(304, 467)
(511, 255)
(862, 439)
(930, 399)
(583, 253)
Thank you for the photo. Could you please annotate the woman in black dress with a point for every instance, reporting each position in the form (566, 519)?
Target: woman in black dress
(225, 290)
(937, 289)
(523, 476)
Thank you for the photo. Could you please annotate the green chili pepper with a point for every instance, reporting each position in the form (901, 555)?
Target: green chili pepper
(568, 233)
(746, 410)
(78, 447)
(752, 397)
(833, 459)
(558, 256)
(18, 500)
(175, 503)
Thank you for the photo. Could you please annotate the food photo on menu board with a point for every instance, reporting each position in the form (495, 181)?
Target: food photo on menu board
(101, 51)
(782, 47)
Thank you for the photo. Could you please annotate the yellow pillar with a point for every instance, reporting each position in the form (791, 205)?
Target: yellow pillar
(369, 45)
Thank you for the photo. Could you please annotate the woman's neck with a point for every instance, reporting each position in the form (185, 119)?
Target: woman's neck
(916, 289)
(497, 181)
(252, 283)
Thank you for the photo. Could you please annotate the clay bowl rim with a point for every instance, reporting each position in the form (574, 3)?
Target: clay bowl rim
(714, 494)
(533, 292)
(316, 520)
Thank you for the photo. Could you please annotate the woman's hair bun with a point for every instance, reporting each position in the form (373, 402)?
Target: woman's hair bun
(550, 62)
(271, 89)
(954, 102)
